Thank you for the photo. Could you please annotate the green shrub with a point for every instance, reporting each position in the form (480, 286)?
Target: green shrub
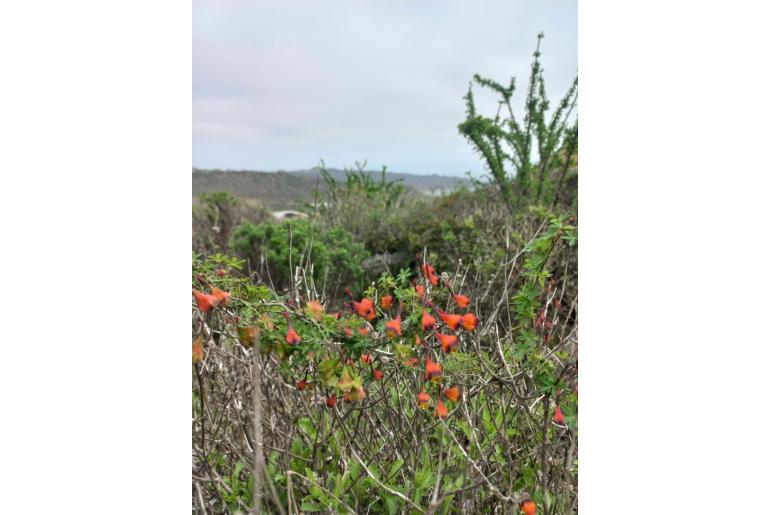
(529, 158)
(335, 257)
(214, 217)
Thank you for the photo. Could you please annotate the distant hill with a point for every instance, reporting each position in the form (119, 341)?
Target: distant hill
(427, 184)
(290, 190)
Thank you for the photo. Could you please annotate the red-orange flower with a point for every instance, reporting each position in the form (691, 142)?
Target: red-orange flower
(357, 394)
(316, 309)
(452, 321)
(433, 371)
(393, 327)
(428, 322)
(331, 401)
(377, 374)
(301, 384)
(423, 399)
(430, 274)
(528, 507)
(558, 416)
(449, 342)
(453, 394)
(366, 358)
(411, 362)
(363, 330)
(461, 300)
(292, 338)
(221, 296)
(206, 302)
(197, 350)
(364, 309)
(386, 301)
(470, 321)
(420, 289)
(441, 410)
(348, 332)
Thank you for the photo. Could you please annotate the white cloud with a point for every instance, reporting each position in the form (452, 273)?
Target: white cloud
(280, 84)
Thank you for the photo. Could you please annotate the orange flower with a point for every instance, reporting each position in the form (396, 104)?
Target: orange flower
(461, 300)
(197, 350)
(470, 321)
(453, 394)
(364, 309)
(366, 358)
(417, 341)
(377, 374)
(528, 507)
(430, 274)
(558, 416)
(449, 342)
(452, 321)
(441, 410)
(205, 302)
(363, 330)
(423, 399)
(393, 327)
(386, 301)
(420, 289)
(348, 332)
(248, 335)
(316, 309)
(221, 296)
(433, 371)
(411, 362)
(357, 394)
(428, 322)
(292, 338)
(331, 401)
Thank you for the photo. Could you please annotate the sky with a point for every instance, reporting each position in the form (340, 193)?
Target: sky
(280, 85)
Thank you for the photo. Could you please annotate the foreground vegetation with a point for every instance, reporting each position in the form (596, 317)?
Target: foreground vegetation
(394, 353)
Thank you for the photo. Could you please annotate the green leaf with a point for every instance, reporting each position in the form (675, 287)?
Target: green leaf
(392, 505)
(307, 427)
(310, 506)
(395, 468)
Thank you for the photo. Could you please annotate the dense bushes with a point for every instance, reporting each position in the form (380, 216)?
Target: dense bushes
(376, 409)
(215, 215)
(274, 250)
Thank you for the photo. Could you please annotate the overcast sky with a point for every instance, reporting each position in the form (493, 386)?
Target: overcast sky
(281, 84)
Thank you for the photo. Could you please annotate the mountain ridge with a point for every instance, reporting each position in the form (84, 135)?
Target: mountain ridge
(292, 189)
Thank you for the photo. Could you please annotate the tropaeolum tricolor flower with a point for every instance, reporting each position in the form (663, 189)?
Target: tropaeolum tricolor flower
(452, 321)
(205, 301)
(449, 342)
(404, 338)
